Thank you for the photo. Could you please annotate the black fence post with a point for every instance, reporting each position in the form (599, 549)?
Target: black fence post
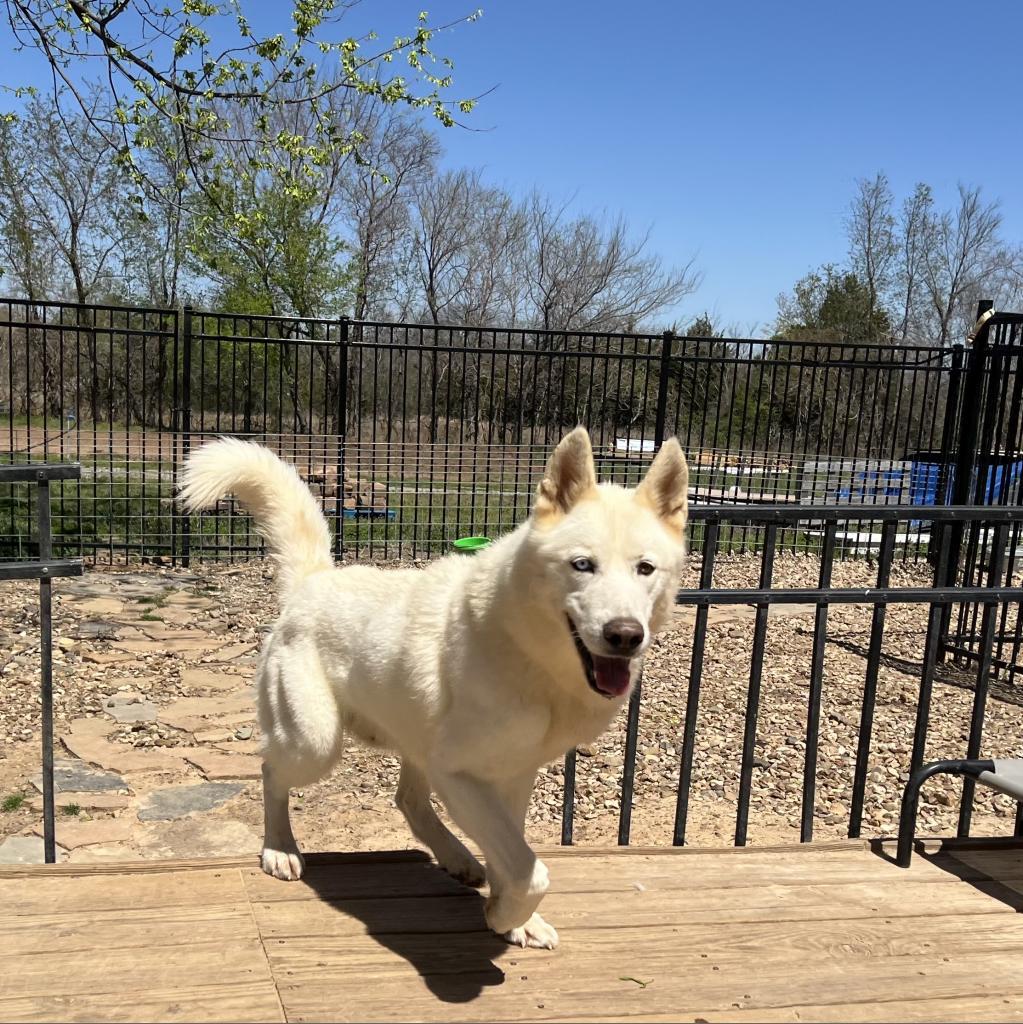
(662, 388)
(185, 423)
(953, 401)
(948, 436)
(46, 665)
(966, 448)
(342, 429)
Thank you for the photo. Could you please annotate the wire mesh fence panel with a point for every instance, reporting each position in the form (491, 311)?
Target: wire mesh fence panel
(94, 385)
(411, 435)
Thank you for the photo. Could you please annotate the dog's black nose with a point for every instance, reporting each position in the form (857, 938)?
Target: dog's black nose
(624, 635)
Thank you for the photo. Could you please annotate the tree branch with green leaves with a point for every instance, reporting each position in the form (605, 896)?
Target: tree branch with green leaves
(195, 75)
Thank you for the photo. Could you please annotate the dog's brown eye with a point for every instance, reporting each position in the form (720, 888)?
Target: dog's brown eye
(583, 565)
(644, 568)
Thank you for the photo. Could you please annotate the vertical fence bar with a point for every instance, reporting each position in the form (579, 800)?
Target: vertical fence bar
(969, 431)
(568, 799)
(813, 711)
(46, 664)
(884, 568)
(342, 429)
(629, 769)
(987, 633)
(685, 777)
(175, 431)
(662, 388)
(185, 423)
(756, 671)
(945, 475)
(923, 707)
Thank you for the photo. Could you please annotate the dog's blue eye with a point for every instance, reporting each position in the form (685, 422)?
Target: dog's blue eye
(583, 565)
(644, 568)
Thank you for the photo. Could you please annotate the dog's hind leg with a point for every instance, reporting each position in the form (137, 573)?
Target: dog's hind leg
(281, 856)
(413, 800)
(304, 740)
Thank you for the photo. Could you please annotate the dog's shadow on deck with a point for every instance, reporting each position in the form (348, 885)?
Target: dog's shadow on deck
(411, 907)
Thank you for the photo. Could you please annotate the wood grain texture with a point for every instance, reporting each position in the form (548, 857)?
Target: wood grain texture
(835, 933)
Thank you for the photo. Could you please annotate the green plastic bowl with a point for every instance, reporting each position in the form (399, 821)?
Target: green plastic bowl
(470, 545)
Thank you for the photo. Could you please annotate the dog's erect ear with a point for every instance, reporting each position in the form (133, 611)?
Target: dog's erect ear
(665, 488)
(569, 476)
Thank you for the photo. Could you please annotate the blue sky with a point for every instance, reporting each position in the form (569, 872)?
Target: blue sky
(734, 132)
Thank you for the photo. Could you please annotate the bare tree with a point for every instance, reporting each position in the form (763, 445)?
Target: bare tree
(915, 237)
(396, 158)
(966, 255)
(464, 235)
(583, 275)
(154, 255)
(29, 256)
(870, 228)
(66, 190)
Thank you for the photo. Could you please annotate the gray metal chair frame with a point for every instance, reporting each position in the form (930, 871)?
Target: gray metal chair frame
(1004, 776)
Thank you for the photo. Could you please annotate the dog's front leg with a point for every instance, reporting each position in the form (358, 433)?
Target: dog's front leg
(518, 879)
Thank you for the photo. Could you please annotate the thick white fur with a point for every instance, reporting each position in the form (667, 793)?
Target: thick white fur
(283, 509)
(467, 668)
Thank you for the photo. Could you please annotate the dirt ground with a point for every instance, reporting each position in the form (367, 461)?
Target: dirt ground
(175, 651)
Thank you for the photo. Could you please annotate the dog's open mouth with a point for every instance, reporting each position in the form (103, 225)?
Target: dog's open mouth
(610, 677)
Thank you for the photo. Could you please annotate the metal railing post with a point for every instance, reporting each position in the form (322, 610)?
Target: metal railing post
(342, 429)
(966, 460)
(46, 663)
(185, 424)
(662, 388)
(44, 568)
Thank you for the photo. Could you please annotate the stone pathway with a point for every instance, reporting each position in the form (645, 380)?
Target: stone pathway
(23, 850)
(158, 743)
(171, 738)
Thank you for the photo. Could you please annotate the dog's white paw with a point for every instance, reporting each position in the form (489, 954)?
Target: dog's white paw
(465, 868)
(287, 865)
(535, 933)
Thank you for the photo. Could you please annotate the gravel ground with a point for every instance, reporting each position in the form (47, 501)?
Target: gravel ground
(353, 809)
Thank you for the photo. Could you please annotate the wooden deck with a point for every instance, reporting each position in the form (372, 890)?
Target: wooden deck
(831, 932)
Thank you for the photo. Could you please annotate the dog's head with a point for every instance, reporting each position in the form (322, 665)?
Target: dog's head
(607, 559)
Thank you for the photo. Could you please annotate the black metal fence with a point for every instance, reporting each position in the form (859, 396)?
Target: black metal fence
(45, 568)
(996, 599)
(415, 434)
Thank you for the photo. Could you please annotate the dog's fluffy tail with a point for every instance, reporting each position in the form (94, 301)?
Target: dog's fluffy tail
(281, 505)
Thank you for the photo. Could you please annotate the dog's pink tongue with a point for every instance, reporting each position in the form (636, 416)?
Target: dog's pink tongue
(612, 675)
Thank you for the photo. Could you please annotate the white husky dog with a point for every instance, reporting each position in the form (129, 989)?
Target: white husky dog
(477, 671)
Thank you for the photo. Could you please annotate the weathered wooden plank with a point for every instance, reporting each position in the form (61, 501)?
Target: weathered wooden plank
(541, 986)
(625, 874)
(178, 866)
(254, 1001)
(693, 946)
(79, 971)
(804, 934)
(123, 928)
(1006, 1008)
(411, 914)
(43, 894)
(897, 898)
(997, 863)
(599, 873)
(128, 867)
(352, 881)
